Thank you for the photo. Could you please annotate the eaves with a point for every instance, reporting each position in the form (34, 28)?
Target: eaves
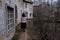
(27, 2)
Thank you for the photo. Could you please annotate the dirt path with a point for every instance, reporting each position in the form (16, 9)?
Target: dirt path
(24, 35)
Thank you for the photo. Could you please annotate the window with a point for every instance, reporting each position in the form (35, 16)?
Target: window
(30, 14)
(10, 18)
(25, 5)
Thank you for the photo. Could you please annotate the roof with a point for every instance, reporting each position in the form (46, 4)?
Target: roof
(28, 1)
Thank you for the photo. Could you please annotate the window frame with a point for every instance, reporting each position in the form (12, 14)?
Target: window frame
(10, 20)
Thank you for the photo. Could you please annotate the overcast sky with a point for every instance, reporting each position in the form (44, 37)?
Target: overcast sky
(46, 0)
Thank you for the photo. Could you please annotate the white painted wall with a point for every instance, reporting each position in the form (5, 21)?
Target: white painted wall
(29, 9)
(10, 35)
(13, 2)
(19, 8)
(2, 19)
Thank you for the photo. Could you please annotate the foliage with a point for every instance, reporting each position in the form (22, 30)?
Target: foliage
(17, 33)
(43, 28)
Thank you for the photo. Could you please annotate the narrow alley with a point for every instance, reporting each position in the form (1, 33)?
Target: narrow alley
(29, 19)
(24, 35)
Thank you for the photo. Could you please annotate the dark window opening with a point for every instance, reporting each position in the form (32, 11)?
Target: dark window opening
(30, 14)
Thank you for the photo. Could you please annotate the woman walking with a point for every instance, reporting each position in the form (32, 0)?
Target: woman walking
(23, 22)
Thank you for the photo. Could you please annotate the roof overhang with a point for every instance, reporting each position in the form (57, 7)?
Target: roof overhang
(28, 1)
